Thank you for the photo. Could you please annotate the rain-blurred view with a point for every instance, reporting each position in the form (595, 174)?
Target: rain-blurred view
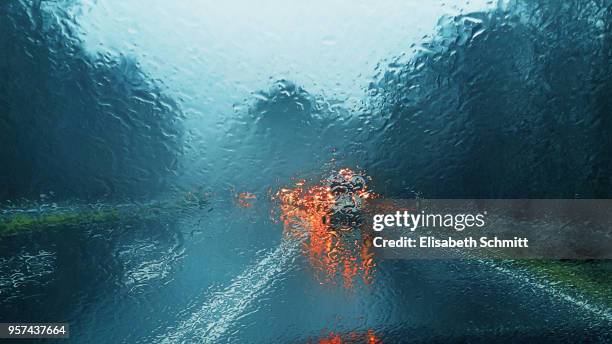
(166, 166)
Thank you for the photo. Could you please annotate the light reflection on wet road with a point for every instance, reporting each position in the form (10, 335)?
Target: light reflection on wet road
(194, 280)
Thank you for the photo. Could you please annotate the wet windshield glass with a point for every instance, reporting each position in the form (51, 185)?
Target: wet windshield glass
(178, 171)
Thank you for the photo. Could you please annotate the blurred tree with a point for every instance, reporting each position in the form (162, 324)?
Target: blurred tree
(74, 124)
(513, 102)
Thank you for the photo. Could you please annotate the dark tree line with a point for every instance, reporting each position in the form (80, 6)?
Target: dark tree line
(81, 126)
(514, 102)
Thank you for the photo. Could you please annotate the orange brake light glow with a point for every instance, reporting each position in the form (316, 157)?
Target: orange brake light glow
(333, 251)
